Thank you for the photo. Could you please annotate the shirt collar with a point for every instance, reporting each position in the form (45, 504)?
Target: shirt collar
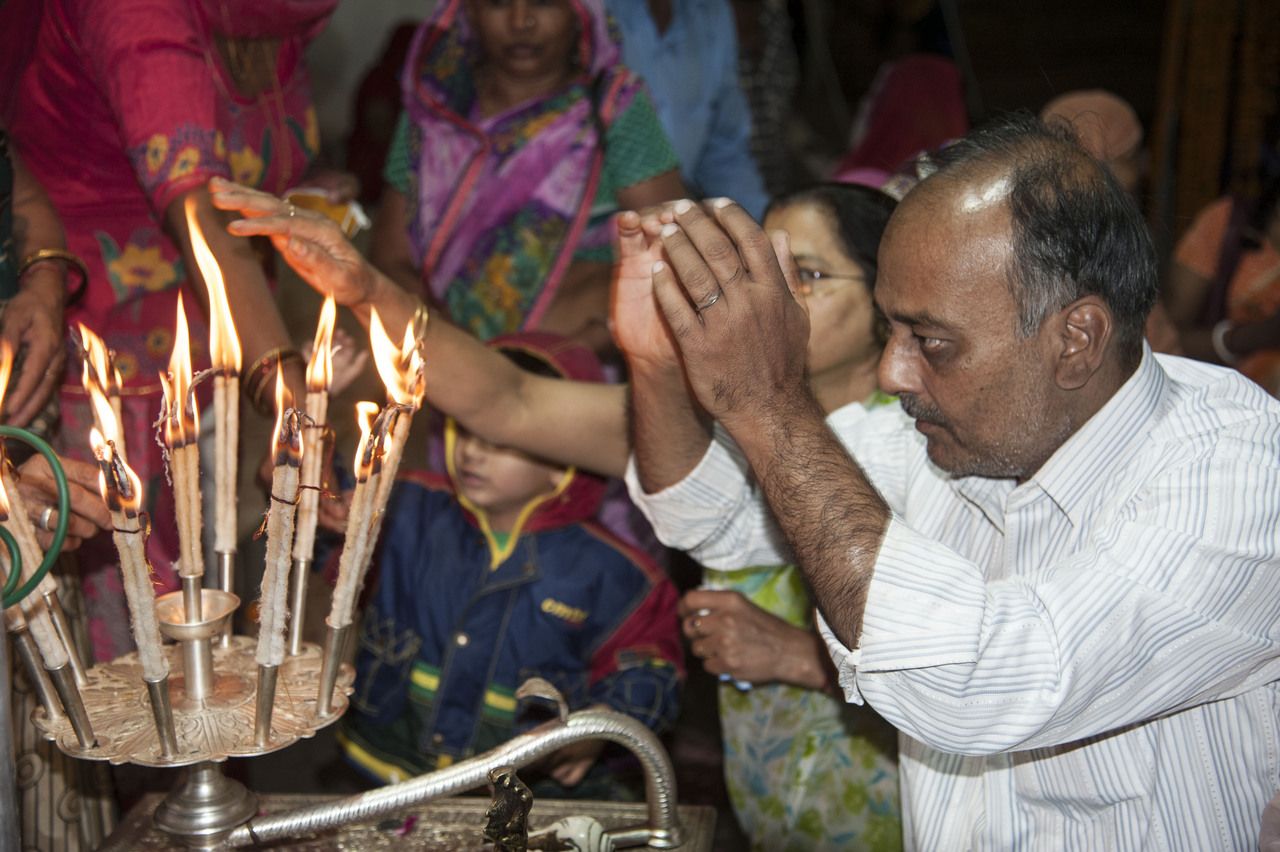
(1091, 454)
(1073, 473)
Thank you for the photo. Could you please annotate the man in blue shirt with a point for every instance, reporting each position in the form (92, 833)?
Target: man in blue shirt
(687, 51)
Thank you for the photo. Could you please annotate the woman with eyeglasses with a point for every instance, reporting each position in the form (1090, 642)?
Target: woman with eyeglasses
(804, 769)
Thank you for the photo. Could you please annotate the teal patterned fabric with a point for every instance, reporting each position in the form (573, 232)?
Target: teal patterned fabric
(805, 770)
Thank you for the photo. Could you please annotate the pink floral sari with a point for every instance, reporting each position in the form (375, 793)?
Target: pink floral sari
(124, 108)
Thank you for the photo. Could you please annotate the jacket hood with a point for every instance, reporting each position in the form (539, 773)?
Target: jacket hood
(578, 495)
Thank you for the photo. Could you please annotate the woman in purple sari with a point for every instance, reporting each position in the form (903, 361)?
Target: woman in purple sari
(522, 135)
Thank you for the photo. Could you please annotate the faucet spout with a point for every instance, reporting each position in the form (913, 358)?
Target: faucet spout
(662, 832)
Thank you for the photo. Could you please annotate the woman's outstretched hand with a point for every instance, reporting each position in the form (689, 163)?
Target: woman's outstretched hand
(312, 244)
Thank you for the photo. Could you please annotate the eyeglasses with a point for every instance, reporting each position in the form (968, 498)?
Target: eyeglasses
(812, 281)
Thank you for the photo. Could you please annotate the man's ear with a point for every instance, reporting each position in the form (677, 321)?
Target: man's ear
(1085, 328)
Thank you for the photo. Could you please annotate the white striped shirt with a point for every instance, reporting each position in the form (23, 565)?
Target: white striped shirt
(1090, 660)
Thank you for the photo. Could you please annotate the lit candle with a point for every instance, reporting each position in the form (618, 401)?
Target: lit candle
(378, 457)
(401, 371)
(319, 377)
(225, 355)
(122, 492)
(181, 435)
(101, 372)
(288, 453)
(352, 562)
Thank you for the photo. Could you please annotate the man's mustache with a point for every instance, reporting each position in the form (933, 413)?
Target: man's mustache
(920, 410)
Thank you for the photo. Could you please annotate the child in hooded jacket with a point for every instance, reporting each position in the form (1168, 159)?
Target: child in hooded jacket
(495, 574)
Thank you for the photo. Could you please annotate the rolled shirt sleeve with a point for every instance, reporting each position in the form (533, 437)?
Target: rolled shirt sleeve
(719, 516)
(716, 513)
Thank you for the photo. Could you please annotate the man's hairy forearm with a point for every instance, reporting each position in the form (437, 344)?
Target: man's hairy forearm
(669, 433)
(832, 516)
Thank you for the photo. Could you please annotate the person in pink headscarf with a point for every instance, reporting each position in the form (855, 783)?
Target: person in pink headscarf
(523, 133)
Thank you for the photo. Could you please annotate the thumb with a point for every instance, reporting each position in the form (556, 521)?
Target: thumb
(631, 242)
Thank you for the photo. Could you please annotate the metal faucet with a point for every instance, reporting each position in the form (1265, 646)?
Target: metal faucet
(662, 831)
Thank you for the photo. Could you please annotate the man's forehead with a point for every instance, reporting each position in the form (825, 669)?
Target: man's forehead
(951, 242)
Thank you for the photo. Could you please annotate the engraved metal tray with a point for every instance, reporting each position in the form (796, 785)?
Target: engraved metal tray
(221, 727)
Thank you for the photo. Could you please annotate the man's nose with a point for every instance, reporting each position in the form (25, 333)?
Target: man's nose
(898, 372)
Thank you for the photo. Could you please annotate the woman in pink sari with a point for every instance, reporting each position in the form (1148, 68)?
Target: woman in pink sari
(522, 134)
(127, 109)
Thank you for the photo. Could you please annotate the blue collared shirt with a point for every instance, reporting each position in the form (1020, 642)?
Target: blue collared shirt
(692, 73)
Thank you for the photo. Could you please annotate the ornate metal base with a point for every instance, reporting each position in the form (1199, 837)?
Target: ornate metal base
(205, 807)
(219, 727)
(449, 825)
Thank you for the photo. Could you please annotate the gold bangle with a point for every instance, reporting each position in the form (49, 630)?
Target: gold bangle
(66, 257)
(264, 361)
(261, 374)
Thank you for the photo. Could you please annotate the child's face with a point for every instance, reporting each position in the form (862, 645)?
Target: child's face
(498, 480)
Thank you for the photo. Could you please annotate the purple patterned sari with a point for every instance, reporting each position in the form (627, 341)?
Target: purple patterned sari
(502, 203)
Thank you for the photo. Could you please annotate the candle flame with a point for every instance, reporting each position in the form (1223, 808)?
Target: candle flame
(6, 368)
(320, 367)
(365, 414)
(224, 344)
(103, 414)
(120, 487)
(400, 367)
(285, 438)
(180, 418)
(97, 358)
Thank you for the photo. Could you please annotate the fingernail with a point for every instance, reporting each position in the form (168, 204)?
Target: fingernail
(658, 266)
(684, 205)
(669, 229)
(721, 203)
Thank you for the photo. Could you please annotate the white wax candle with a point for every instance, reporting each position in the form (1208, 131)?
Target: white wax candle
(275, 577)
(226, 405)
(184, 465)
(352, 562)
(140, 594)
(312, 461)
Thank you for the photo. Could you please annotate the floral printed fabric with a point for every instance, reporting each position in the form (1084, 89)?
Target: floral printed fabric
(805, 770)
(124, 108)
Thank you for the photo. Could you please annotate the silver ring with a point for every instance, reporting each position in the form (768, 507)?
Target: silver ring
(45, 517)
(711, 300)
